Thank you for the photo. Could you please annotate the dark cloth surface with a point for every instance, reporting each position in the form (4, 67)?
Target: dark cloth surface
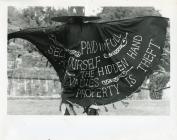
(101, 63)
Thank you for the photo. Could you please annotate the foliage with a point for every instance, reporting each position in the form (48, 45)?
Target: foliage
(15, 19)
(32, 17)
(157, 82)
(112, 13)
(165, 60)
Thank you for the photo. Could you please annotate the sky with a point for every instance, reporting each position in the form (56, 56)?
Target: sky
(92, 10)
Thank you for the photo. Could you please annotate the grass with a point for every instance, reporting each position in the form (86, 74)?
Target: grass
(50, 107)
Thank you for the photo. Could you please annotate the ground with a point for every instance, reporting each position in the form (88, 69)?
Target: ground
(50, 107)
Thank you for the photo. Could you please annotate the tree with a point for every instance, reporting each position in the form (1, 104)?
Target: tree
(113, 13)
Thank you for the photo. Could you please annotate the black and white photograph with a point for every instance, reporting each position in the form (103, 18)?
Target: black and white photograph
(87, 70)
(74, 61)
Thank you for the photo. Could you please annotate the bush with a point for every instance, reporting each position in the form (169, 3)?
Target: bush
(158, 81)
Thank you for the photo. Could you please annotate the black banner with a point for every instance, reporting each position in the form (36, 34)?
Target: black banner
(101, 63)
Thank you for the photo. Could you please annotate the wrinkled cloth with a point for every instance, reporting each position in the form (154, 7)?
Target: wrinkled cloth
(101, 63)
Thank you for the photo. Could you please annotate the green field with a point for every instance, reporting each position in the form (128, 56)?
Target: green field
(50, 107)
